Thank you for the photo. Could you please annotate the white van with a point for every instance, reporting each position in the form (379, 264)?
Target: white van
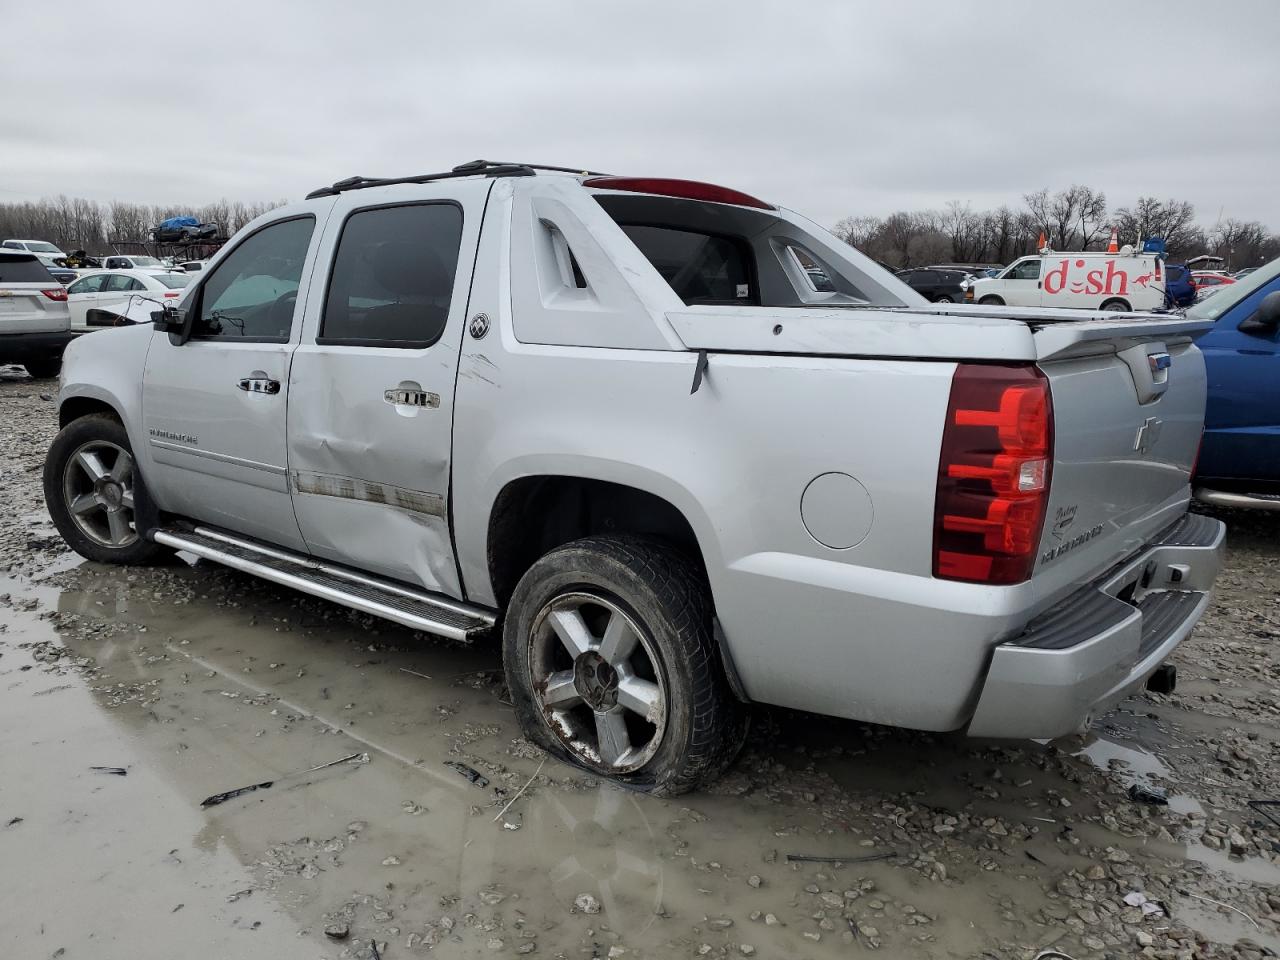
(1092, 281)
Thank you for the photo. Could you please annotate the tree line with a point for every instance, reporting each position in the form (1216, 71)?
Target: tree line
(74, 223)
(1077, 218)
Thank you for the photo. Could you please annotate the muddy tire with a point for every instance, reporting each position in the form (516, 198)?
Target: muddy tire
(94, 493)
(46, 368)
(1116, 306)
(612, 665)
(992, 301)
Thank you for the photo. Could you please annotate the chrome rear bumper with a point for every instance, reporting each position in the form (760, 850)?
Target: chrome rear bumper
(1078, 659)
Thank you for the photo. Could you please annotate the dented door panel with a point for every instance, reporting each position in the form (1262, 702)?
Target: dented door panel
(370, 426)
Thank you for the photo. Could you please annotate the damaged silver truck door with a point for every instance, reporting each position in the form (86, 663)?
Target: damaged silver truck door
(371, 394)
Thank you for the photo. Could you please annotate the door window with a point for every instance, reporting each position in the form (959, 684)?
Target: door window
(121, 283)
(252, 293)
(392, 277)
(87, 285)
(1024, 270)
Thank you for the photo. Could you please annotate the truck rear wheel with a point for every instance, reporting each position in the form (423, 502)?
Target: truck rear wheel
(1117, 306)
(612, 665)
(93, 489)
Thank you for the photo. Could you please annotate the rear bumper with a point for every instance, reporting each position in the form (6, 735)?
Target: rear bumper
(1078, 659)
(17, 347)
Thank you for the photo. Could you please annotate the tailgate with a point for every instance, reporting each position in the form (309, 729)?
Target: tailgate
(1128, 403)
(25, 309)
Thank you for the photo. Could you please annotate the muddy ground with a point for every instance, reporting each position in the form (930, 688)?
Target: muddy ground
(189, 680)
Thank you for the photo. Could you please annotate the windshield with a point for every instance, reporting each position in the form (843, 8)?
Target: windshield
(146, 262)
(38, 247)
(174, 281)
(1215, 306)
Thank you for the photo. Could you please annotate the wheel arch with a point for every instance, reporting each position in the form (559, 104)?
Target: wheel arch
(75, 407)
(534, 514)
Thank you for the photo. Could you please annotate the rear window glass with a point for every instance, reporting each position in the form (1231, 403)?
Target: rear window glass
(174, 281)
(23, 269)
(146, 262)
(392, 278)
(701, 267)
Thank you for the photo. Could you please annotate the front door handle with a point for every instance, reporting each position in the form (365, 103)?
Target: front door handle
(259, 385)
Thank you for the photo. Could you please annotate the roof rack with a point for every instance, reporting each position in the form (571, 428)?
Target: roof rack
(488, 168)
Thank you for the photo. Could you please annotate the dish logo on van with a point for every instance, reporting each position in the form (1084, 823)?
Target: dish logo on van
(1095, 283)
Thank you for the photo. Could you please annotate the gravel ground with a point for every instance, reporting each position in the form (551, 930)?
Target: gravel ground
(189, 680)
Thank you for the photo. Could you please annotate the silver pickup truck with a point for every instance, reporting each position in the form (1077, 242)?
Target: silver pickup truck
(688, 449)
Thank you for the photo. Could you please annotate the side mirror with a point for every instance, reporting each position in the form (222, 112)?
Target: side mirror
(168, 319)
(1266, 320)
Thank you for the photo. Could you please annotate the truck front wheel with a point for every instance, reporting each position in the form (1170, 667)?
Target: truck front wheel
(612, 665)
(93, 490)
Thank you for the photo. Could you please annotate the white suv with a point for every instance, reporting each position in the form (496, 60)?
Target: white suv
(35, 325)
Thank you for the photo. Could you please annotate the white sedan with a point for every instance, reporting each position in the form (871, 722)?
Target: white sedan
(110, 291)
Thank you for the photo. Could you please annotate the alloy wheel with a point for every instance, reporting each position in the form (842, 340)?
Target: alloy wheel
(97, 487)
(598, 682)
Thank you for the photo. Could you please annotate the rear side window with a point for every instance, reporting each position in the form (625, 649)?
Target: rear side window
(392, 279)
(174, 281)
(700, 267)
(23, 269)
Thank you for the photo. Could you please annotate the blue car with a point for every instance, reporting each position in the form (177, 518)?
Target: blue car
(1240, 461)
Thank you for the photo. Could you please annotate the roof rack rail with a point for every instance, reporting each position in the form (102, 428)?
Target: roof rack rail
(489, 168)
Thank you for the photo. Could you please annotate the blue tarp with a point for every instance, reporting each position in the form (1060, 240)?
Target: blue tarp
(174, 223)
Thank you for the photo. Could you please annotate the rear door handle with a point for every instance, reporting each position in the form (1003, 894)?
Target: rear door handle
(259, 385)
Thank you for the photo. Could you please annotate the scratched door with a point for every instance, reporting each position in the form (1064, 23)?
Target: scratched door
(371, 388)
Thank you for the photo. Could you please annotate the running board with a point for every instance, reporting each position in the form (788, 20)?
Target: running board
(412, 608)
(1249, 501)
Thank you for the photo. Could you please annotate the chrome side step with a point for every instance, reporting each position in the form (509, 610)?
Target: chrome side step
(412, 608)
(1250, 501)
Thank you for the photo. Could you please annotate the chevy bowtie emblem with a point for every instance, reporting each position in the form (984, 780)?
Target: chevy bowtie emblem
(1148, 434)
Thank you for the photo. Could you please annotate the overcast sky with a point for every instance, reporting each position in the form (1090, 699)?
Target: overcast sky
(831, 108)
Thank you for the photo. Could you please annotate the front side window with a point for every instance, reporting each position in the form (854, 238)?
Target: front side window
(392, 278)
(252, 293)
(87, 285)
(700, 267)
(1024, 270)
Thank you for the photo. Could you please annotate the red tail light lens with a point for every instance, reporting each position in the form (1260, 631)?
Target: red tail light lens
(58, 293)
(172, 294)
(993, 475)
(685, 189)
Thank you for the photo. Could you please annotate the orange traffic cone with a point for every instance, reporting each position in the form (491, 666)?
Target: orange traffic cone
(1113, 245)
(1042, 243)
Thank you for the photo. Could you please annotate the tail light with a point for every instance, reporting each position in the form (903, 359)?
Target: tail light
(1159, 272)
(58, 293)
(172, 294)
(993, 474)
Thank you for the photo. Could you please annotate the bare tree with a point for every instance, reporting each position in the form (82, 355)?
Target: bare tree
(858, 231)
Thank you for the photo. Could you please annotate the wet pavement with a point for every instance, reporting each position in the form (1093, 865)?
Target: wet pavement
(195, 680)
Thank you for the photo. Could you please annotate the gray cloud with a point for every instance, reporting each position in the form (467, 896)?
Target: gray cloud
(832, 108)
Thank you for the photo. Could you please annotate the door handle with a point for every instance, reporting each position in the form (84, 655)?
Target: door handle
(402, 397)
(259, 385)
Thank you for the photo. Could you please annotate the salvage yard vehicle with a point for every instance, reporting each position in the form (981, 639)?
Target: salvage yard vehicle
(35, 326)
(1094, 281)
(618, 417)
(100, 294)
(1239, 464)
